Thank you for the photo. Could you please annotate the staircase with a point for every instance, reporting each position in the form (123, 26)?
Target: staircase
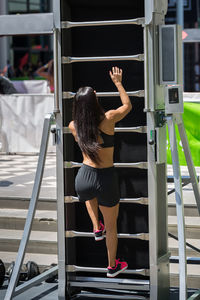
(42, 246)
(192, 231)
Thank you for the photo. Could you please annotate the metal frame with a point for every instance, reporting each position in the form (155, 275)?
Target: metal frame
(156, 141)
(26, 24)
(59, 158)
(179, 210)
(43, 23)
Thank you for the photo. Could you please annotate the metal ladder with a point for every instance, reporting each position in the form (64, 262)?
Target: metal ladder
(127, 286)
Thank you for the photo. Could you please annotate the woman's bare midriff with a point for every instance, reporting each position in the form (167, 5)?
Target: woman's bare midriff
(106, 158)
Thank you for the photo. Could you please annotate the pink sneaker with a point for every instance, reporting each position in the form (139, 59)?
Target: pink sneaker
(120, 266)
(99, 234)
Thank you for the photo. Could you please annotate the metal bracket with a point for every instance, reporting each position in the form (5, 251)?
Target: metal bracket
(160, 118)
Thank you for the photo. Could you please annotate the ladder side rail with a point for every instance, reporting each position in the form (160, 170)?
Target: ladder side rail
(189, 161)
(32, 208)
(179, 209)
(62, 279)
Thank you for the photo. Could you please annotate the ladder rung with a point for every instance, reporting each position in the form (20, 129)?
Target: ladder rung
(142, 200)
(140, 165)
(109, 296)
(70, 59)
(140, 93)
(139, 129)
(139, 236)
(69, 24)
(74, 268)
(111, 283)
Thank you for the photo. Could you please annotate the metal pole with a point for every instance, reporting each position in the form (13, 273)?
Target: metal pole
(3, 40)
(56, 89)
(190, 164)
(180, 21)
(31, 210)
(180, 12)
(179, 210)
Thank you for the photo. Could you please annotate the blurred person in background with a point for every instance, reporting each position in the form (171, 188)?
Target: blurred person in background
(6, 86)
(47, 71)
(8, 70)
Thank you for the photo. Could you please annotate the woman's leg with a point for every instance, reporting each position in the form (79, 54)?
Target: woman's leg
(110, 215)
(92, 208)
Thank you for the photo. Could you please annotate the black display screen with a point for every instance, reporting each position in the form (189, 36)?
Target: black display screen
(173, 96)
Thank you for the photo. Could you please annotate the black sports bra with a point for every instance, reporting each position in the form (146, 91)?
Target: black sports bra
(108, 139)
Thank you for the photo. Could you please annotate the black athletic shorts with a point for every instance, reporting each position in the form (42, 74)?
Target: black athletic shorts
(100, 183)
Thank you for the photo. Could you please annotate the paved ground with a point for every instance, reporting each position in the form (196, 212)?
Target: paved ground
(17, 173)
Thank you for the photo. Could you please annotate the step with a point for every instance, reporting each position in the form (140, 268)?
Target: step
(193, 276)
(23, 203)
(190, 210)
(192, 226)
(173, 247)
(15, 219)
(39, 242)
(43, 260)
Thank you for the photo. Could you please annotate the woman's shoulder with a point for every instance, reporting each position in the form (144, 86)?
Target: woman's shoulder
(109, 115)
(107, 125)
(71, 125)
(72, 129)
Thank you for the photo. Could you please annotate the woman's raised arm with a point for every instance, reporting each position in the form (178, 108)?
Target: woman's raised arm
(122, 111)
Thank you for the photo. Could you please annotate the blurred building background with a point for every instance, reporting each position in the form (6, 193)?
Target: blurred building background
(25, 53)
(191, 49)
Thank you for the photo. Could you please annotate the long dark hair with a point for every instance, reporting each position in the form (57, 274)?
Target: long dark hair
(87, 115)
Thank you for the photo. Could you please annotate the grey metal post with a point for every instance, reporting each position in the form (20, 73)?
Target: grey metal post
(59, 160)
(179, 210)
(32, 208)
(180, 12)
(56, 89)
(180, 21)
(189, 161)
(3, 40)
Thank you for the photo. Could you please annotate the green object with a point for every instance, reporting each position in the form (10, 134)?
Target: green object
(191, 119)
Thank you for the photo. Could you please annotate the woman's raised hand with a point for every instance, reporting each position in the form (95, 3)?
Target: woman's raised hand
(116, 75)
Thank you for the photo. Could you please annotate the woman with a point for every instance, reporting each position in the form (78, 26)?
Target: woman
(47, 71)
(96, 182)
